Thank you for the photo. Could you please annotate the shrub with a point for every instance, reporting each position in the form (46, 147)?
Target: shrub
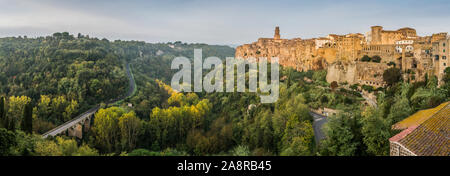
(376, 59)
(366, 58)
(392, 76)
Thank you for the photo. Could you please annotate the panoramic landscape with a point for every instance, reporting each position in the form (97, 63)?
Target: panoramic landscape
(100, 87)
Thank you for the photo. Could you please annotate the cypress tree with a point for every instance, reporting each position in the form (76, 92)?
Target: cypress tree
(2, 112)
(27, 120)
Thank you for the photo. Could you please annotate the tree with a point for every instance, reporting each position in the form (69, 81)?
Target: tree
(319, 76)
(340, 138)
(391, 63)
(68, 147)
(392, 76)
(143, 152)
(376, 59)
(297, 138)
(376, 131)
(324, 99)
(366, 58)
(27, 120)
(446, 77)
(48, 148)
(44, 108)
(15, 110)
(240, 150)
(58, 107)
(105, 128)
(63, 147)
(130, 127)
(71, 109)
(85, 150)
(334, 85)
(2, 112)
(8, 140)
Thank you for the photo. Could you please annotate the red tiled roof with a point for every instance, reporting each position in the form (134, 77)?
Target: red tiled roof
(402, 134)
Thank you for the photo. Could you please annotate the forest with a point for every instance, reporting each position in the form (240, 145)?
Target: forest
(47, 81)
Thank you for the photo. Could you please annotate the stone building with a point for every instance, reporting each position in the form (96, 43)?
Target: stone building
(378, 36)
(416, 56)
(441, 56)
(424, 133)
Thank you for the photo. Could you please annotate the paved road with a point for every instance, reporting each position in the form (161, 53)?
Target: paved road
(319, 120)
(91, 111)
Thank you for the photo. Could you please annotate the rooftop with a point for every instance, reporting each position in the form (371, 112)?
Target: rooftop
(418, 117)
(426, 132)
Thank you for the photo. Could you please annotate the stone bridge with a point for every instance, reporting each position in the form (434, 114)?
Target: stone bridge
(74, 127)
(82, 123)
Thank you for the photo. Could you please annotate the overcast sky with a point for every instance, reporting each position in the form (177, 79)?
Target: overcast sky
(219, 22)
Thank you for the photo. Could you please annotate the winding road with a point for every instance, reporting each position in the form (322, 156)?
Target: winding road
(60, 129)
(319, 120)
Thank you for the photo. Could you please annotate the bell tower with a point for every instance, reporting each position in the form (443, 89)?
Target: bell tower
(277, 33)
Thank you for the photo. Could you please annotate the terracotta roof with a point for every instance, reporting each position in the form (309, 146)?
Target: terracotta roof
(402, 134)
(418, 117)
(430, 138)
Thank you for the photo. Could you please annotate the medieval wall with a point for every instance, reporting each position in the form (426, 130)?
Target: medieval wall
(357, 72)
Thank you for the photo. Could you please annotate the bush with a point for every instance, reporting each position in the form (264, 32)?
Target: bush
(334, 85)
(391, 63)
(143, 152)
(366, 58)
(376, 59)
(367, 88)
(392, 76)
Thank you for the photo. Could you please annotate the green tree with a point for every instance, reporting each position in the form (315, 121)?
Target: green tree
(2, 112)
(297, 139)
(43, 108)
(376, 131)
(130, 127)
(85, 150)
(68, 146)
(106, 129)
(8, 140)
(70, 110)
(15, 111)
(48, 148)
(392, 76)
(240, 150)
(319, 76)
(366, 58)
(27, 120)
(376, 59)
(334, 85)
(340, 138)
(58, 107)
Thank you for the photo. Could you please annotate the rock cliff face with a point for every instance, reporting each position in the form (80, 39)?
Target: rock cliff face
(363, 73)
(304, 55)
(296, 53)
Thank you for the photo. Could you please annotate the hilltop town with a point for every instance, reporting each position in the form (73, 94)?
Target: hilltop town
(358, 58)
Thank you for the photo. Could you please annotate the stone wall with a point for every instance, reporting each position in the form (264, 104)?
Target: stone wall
(363, 73)
(398, 150)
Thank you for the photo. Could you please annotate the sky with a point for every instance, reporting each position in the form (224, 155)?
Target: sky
(231, 22)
